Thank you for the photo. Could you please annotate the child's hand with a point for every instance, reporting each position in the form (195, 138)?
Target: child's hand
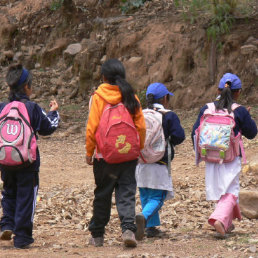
(89, 160)
(53, 105)
(248, 109)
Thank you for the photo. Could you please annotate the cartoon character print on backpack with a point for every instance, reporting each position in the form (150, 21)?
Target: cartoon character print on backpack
(215, 139)
(17, 139)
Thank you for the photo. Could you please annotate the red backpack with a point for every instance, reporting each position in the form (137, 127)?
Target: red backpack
(116, 137)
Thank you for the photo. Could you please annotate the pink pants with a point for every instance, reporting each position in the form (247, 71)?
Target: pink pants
(227, 209)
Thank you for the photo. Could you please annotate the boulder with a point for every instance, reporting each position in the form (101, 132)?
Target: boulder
(248, 201)
(73, 49)
(254, 166)
(52, 53)
(70, 52)
(85, 63)
(248, 49)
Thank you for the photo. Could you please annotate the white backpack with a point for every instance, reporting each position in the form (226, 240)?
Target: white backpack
(155, 143)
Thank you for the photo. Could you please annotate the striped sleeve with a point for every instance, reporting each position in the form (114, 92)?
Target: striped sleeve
(45, 123)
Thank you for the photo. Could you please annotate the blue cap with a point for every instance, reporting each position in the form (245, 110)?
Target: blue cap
(229, 77)
(158, 89)
(23, 78)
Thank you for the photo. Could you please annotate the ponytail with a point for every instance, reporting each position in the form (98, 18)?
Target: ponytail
(128, 97)
(150, 100)
(113, 70)
(226, 99)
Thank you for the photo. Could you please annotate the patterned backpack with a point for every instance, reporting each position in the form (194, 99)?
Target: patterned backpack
(116, 137)
(214, 138)
(17, 139)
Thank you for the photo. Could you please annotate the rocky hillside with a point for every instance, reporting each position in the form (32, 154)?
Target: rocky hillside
(65, 44)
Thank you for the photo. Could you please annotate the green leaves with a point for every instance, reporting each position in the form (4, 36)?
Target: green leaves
(220, 13)
(129, 5)
(56, 4)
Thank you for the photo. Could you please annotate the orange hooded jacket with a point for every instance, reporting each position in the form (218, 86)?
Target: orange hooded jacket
(108, 94)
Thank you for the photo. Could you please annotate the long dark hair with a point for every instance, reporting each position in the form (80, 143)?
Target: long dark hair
(150, 100)
(226, 98)
(13, 76)
(114, 71)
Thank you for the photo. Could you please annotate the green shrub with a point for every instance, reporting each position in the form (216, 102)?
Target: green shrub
(219, 13)
(129, 5)
(56, 4)
(142, 97)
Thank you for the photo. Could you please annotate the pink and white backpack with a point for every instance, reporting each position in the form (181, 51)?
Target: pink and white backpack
(116, 137)
(155, 143)
(17, 139)
(214, 138)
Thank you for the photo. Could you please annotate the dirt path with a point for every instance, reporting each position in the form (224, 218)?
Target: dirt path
(65, 205)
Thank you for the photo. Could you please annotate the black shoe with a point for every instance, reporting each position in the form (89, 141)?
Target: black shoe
(140, 224)
(22, 246)
(153, 232)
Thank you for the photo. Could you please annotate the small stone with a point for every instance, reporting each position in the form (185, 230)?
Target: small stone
(246, 169)
(252, 249)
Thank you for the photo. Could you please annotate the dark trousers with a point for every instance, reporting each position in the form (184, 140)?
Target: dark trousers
(109, 177)
(18, 203)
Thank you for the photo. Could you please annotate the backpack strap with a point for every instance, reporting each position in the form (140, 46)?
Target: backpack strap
(211, 106)
(163, 111)
(235, 106)
(241, 144)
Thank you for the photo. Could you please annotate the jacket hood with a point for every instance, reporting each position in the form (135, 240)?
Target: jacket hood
(110, 93)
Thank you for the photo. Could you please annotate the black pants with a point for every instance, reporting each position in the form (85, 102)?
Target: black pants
(18, 203)
(108, 177)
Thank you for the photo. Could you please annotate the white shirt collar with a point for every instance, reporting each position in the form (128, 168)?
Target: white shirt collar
(157, 105)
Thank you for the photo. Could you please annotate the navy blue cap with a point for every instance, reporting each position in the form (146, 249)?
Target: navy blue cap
(159, 90)
(23, 78)
(229, 77)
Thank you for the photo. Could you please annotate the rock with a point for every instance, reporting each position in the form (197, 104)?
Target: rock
(37, 65)
(9, 54)
(135, 59)
(252, 249)
(255, 66)
(103, 59)
(254, 166)
(18, 56)
(74, 129)
(248, 201)
(71, 51)
(51, 53)
(248, 49)
(246, 169)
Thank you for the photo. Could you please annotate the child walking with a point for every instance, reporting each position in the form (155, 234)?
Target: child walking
(21, 183)
(113, 176)
(222, 180)
(154, 180)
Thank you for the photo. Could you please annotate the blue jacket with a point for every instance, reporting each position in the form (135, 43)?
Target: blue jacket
(173, 129)
(244, 122)
(42, 123)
